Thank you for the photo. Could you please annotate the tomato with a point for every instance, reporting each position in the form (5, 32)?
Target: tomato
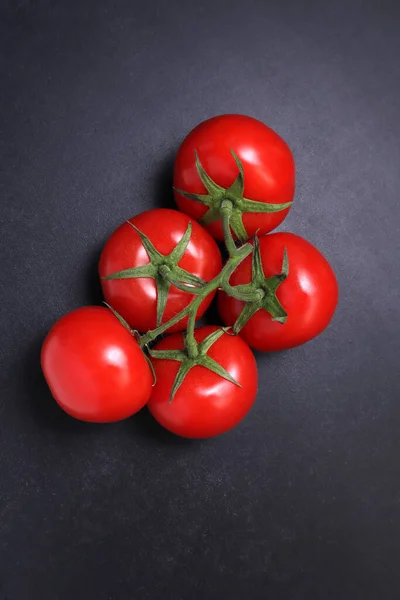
(309, 295)
(141, 300)
(95, 369)
(268, 164)
(205, 404)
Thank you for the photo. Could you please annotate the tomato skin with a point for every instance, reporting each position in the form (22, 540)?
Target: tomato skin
(95, 369)
(309, 294)
(205, 405)
(269, 169)
(136, 299)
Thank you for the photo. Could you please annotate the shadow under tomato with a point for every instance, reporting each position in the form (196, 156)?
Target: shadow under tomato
(92, 292)
(144, 425)
(162, 193)
(212, 316)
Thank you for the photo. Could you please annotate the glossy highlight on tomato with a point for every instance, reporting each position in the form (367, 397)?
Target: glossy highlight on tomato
(309, 295)
(94, 367)
(269, 168)
(135, 299)
(205, 405)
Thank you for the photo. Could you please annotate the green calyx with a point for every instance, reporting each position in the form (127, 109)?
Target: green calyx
(217, 194)
(260, 292)
(163, 269)
(201, 293)
(187, 362)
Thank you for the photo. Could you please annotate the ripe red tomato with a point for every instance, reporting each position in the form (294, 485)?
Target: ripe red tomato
(309, 295)
(94, 367)
(135, 299)
(269, 169)
(205, 404)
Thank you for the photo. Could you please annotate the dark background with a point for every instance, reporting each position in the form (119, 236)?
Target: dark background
(302, 500)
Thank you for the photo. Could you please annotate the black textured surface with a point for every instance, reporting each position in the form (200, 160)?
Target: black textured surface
(302, 500)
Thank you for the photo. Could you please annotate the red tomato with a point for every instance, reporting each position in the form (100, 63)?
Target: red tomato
(135, 299)
(95, 369)
(269, 169)
(309, 295)
(205, 404)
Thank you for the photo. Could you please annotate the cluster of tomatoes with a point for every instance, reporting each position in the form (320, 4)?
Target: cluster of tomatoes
(234, 180)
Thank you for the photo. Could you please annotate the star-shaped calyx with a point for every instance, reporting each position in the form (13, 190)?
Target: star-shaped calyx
(163, 269)
(216, 194)
(262, 289)
(202, 359)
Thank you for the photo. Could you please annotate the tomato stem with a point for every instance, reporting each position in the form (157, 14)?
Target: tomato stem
(191, 344)
(260, 293)
(226, 214)
(191, 310)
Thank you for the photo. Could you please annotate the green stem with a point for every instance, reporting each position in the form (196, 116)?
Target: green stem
(255, 296)
(193, 307)
(191, 344)
(226, 213)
